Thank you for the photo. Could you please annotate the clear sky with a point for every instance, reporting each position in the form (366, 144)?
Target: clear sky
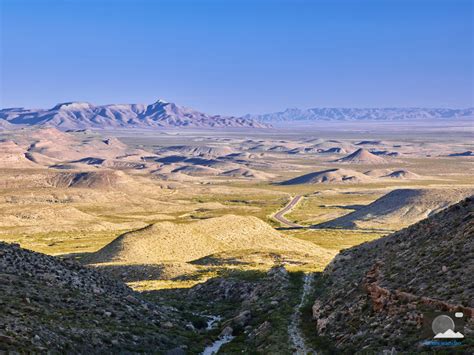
(238, 56)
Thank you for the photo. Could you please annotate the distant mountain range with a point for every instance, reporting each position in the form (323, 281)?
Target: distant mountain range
(82, 115)
(349, 114)
(162, 114)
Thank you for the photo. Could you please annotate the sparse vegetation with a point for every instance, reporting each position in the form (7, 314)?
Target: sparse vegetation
(203, 245)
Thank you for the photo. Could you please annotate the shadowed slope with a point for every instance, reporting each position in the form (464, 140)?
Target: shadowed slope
(328, 176)
(402, 174)
(89, 179)
(399, 208)
(13, 155)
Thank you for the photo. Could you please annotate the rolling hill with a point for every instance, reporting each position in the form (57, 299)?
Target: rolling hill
(362, 156)
(330, 176)
(171, 242)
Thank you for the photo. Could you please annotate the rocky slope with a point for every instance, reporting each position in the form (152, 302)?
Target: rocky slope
(47, 304)
(349, 114)
(81, 115)
(372, 297)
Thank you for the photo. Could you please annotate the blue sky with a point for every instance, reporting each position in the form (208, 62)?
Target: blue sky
(236, 57)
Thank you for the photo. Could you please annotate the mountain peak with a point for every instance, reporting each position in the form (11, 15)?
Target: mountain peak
(161, 102)
(73, 105)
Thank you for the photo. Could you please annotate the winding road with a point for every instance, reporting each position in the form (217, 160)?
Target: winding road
(279, 216)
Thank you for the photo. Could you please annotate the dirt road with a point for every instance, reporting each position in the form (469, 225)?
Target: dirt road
(296, 337)
(279, 216)
(294, 331)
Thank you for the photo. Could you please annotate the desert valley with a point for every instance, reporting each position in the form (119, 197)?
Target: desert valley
(129, 228)
(271, 177)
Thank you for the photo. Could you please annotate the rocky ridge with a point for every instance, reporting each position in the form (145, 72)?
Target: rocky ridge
(372, 296)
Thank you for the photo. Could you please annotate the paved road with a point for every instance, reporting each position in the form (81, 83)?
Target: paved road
(279, 216)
